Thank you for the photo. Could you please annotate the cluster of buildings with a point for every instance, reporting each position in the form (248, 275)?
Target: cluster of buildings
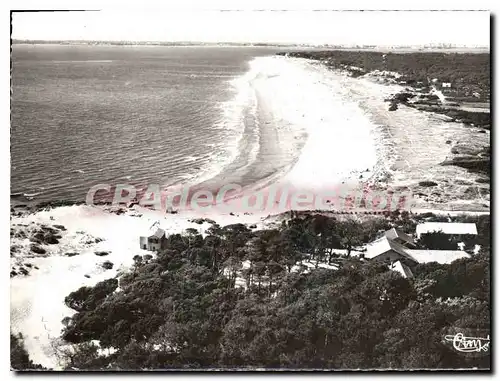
(399, 250)
(395, 248)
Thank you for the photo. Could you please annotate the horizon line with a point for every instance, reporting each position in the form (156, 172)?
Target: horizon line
(439, 45)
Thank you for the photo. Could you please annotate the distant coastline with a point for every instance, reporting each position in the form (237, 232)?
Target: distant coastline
(404, 48)
(154, 43)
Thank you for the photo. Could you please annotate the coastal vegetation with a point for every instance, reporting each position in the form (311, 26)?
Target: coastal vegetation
(468, 72)
(196, 305)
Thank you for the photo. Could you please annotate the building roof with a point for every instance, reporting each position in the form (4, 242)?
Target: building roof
(439, 256)
(153, 231)
(446, 228)
(383, 245)
(395, 233)
(158, 233)
(402, 269)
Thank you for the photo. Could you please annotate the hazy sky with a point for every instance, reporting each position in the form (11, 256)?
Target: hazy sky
(387, 28)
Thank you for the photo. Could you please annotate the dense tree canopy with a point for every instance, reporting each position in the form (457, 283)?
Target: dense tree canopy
(182, 309)
(462, 69)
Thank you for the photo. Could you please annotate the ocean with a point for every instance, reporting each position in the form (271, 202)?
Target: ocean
(85, 115)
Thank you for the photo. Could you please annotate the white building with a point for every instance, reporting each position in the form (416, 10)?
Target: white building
(397, 249)
(401, 268)
(439, 256)
(387, 251)
(448, 228)
(398, 236)
(153, 239)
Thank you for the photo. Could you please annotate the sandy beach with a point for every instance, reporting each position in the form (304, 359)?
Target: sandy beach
(354, 141)
(340, 143)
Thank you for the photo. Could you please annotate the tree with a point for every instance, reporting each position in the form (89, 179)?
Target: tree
(87, 298)
(436, 241)
(349, 233)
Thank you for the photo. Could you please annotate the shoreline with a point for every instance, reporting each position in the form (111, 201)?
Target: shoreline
(323, 123)
(422, 151)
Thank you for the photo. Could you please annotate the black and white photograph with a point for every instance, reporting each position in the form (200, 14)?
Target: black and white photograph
(250, 189)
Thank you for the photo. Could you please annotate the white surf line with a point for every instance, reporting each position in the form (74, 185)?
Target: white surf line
(83, 61)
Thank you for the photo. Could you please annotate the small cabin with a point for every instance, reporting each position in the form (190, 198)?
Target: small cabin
(445, 85)
(153, 240)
